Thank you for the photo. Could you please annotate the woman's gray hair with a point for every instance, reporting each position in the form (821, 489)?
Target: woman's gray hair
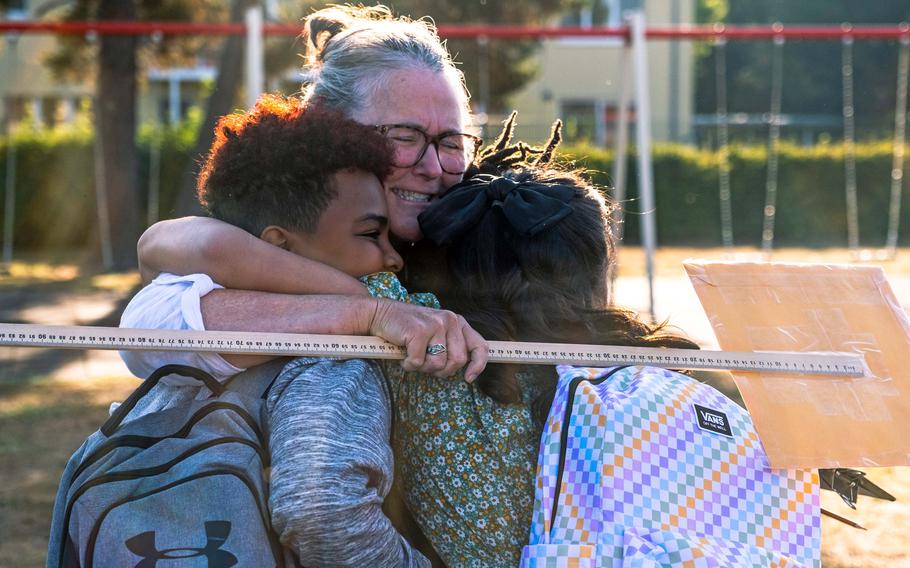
(350, 50)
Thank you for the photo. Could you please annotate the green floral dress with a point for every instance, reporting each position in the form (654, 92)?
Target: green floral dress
(466, 463)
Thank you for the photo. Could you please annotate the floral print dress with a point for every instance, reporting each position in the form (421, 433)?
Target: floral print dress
(466, 463)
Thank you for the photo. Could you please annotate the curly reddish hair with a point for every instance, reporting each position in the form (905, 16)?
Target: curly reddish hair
(273, 165)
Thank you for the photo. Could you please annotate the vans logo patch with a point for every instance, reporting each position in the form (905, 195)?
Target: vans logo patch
(713, 420)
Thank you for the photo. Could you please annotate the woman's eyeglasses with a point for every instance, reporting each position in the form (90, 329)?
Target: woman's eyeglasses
(456, 150)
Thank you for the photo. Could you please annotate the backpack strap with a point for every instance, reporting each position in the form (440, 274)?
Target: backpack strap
(112, 423)
(256, 382)
(564, 434)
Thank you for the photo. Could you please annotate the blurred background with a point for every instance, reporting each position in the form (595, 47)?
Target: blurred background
(101, 135)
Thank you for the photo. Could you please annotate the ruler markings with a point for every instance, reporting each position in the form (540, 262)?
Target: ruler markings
(350, 346)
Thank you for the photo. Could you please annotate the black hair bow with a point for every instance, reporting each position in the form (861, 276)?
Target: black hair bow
(528, 206)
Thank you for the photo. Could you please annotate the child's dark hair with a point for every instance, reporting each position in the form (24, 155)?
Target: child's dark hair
(527, 255)
(273, 164)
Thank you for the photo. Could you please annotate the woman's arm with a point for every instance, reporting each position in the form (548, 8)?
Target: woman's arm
(190, 302)
(237, 259)
(234, 259)
(414, 327)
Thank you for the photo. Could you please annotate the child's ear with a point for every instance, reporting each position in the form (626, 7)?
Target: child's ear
(275, 235)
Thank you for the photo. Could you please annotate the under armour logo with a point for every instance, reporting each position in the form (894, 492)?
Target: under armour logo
(216, 533)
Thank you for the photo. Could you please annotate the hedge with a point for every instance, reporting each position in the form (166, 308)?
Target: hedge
(811, 203)
(55, 198)
(55, 182)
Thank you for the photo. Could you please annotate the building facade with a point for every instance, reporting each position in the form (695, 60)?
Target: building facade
(28, 90)
(579, 78)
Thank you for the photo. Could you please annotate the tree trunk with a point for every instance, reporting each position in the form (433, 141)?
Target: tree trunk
(224, 95)
(115, 116)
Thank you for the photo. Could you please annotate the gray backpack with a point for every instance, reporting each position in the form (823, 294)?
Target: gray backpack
(187, 486)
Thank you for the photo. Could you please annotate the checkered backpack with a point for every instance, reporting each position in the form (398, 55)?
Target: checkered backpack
(645, 467)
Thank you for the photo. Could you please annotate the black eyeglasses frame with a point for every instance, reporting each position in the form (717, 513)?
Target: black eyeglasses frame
(434, 140)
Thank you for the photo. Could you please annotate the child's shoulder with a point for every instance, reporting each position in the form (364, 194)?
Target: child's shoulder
(387, 285)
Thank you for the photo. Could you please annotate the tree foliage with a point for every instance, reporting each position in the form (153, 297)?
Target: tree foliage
(503, 66)
(79, 56)
(510, 64)
(76, 55)
(811, 69)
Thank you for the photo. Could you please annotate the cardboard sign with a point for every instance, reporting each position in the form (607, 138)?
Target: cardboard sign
(807, 421)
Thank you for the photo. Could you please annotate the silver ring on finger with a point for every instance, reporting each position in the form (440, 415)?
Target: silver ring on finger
(436, 349)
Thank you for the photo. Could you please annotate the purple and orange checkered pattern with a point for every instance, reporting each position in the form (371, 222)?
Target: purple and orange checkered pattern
(643, 484)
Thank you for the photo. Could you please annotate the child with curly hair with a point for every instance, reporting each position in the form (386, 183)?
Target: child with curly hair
(306, 180)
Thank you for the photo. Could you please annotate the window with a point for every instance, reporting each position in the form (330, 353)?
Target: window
(593, 121)
(596, 13)
(580, 120)
(15, 10)
(14, 109)
(592, 13)
(587, 13)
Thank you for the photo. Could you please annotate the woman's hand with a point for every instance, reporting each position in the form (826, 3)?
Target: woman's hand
(417, 328)
(414, 327)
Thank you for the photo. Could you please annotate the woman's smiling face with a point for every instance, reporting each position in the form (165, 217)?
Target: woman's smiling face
(429, 101)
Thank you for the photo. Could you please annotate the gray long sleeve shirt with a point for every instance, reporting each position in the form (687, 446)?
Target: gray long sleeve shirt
(329, 425)
(332, 465)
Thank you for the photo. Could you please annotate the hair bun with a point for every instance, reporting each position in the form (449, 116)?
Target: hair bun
(321, 26)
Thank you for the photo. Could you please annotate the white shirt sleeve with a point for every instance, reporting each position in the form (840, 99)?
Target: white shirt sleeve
(172, 302)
